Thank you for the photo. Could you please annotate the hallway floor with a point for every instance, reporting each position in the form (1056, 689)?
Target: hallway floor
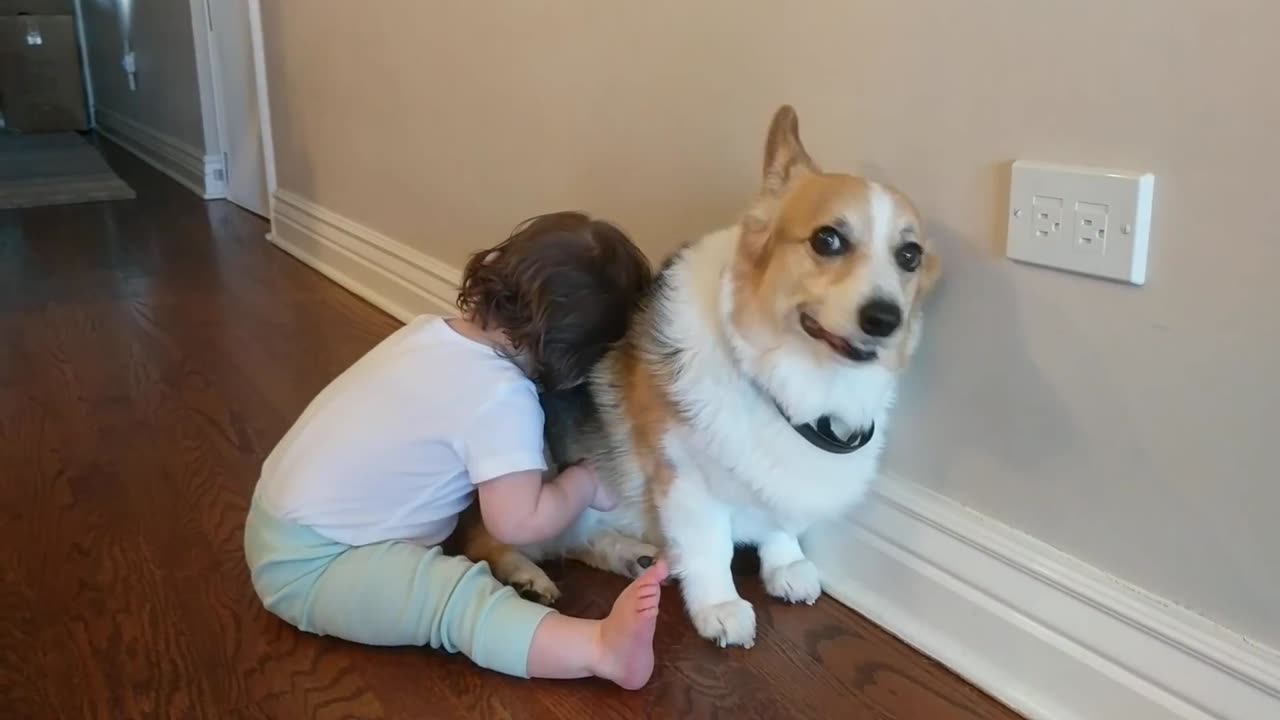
(153, 352)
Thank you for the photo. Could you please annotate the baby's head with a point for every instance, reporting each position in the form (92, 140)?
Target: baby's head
(562, 289)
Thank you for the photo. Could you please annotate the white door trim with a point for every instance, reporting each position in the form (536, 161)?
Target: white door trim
(84, 64)
(264, 103)
(201, 12)
(205, 18)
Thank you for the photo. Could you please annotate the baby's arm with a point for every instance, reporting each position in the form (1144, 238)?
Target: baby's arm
(519, 508)
(502, 447)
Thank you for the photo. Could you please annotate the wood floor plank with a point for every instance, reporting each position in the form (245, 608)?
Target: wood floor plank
(154, 351)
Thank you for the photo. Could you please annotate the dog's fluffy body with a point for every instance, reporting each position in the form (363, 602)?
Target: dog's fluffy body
(747, 332)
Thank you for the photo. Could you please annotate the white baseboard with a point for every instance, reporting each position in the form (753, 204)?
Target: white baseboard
(205, 175)
(398, 279)
(1041, 631)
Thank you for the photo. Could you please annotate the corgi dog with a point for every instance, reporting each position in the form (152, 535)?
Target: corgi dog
(750, 398)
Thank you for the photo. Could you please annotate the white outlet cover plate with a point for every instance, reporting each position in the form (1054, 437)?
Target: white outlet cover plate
(1094, 221)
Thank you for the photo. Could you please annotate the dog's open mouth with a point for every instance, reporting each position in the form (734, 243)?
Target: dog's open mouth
(842, 347)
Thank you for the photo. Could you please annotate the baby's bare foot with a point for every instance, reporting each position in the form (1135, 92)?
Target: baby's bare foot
(625, 653)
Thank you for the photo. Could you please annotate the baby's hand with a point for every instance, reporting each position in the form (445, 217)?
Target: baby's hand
(605, 498)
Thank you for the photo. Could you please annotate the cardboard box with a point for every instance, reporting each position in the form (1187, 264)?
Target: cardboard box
(37, 7)
(41, 86)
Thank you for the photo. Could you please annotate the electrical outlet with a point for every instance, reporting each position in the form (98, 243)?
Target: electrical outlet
(1106, 215)
(1047, 222)
(1091, 228)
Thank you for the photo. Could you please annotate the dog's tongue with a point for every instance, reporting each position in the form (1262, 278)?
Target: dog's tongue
(812, 327)
(840, 344)
(837, 343)
(831, 338)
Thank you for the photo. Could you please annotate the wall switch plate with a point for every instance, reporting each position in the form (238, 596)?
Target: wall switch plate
(1087, 220)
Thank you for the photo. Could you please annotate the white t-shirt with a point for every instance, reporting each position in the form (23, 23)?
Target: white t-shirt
(392, 449)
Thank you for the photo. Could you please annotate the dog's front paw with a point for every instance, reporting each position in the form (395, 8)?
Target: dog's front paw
(795, 583)
(641, 557)
(535, 586)
(727, 623)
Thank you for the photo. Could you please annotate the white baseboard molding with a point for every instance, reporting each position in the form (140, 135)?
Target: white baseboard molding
(398, 279)
(205, 175)
(1041, 631)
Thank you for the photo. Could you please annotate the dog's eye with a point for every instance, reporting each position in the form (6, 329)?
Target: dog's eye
(828, 242)
(909, 255)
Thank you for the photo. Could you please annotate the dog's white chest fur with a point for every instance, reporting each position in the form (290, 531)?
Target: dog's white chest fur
(738, 443)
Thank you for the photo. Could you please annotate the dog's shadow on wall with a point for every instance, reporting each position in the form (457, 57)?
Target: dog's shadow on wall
(976, 401)
(976, 351)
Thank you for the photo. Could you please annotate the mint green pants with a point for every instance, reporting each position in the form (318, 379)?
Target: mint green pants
(392, 593)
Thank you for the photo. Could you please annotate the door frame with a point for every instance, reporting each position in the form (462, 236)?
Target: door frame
(83, 51)
(207, 55)
(264, 102)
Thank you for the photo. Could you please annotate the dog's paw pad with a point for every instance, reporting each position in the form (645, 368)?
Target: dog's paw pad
(797, 582)
(726, 624)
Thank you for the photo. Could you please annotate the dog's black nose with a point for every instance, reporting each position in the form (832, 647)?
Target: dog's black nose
(879, 318)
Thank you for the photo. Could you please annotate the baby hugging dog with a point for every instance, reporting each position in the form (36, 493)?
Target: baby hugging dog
(750, 397)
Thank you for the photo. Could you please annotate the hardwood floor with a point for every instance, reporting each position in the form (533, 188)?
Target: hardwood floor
(152, 353)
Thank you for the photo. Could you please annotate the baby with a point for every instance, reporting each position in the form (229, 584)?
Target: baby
(343, 533)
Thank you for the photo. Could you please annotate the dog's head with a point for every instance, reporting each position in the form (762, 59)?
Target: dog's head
(835, 261)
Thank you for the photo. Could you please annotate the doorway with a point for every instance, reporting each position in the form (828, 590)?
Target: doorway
(243, 114)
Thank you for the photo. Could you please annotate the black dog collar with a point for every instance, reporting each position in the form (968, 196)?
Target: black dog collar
(820, 435)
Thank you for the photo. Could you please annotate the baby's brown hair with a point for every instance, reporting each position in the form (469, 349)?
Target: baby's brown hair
(562, 287)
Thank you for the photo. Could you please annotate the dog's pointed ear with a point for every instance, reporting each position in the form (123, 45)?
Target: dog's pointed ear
(784, 154)
(785, 159)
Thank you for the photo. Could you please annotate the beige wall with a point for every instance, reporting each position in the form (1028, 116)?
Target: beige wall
(1130, 427)
(168, 96)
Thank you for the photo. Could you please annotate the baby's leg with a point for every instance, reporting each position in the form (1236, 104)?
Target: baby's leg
(391, 593)
(405, 594)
